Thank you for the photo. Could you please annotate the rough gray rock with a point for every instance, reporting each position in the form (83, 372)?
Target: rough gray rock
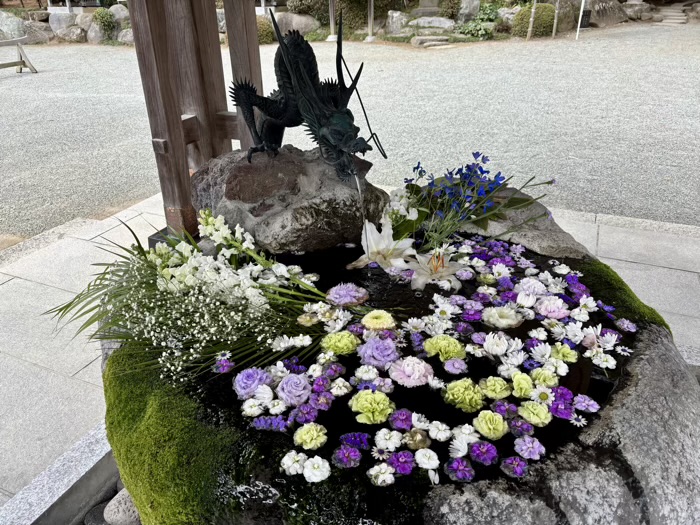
(603, 13)
(96, 516)
(396, 22)
(468, 10)
(422, 41)
(96, 35)
(73, 34)
(120, 13)
(84, 20)
(38, 32)
(292, 202)
(59, 21)
(39, 16)
(221, 20)
(126, 36)
(507, 14)
(303, 23)
(657, 18)
(634, 10)
(121, 510)
(433, 21)
(11, 26)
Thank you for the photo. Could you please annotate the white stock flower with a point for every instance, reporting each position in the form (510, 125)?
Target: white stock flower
(387, 439)
(366, 373)
(252, 408)
(293, 463)
(340, 387)
(277, 407)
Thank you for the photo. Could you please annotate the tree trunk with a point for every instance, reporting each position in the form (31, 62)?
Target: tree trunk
(532, 20)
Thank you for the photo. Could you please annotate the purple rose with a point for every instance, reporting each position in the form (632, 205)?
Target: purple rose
(294, 389)
(378, 352)
(246, 382)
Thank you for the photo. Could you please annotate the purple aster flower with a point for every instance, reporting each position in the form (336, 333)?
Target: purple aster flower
(356, 329)
(321, 401)
(464, 328)
(455, 366)
(514, 467)
(531, 364)
(402, 462)
(459, 469)
(223, 366)
(483, 452)
(458, 300)
(417, 341)
(356, 439)
(561, 393)
(247, 381)
(303, 414)
(478, 338)
(293, 366)
(373, 264)
(334, 370)
(520, 427)
(321, 384)
(626, 325)
(509, 297)
(273, 423)
(365, 385)
(464, 275)
(529, 447)
(483, 298)
(585, 404)
(401, 419)
(346, 456)
(347, 294)
(504, 408)
(294, 389)
(378, 352)
(561, 409)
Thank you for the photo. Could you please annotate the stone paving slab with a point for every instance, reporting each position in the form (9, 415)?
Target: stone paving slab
(92, 373)
(685, 334)
(4, 497)
(5, 279)
(27, 334)
(143, 226)
(41, 415)
(584, 232)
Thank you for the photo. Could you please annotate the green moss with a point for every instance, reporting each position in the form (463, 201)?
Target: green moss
(544, 21)
(609, 287)
(168, 459)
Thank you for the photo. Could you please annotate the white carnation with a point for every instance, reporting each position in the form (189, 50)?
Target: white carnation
(293, 463)
(439, 431)
(316, 469)
(427, 459)
(252, 408)
(388, 439)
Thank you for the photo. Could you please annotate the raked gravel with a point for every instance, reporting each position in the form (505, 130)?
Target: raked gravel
(614, 117)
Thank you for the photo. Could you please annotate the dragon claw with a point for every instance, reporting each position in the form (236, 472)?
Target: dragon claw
(272, 150)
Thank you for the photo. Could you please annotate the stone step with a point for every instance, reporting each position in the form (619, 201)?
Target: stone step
(420, 41)
(435, 44)
(675, 22)
(667, 24)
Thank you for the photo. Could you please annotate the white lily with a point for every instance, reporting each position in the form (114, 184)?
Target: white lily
(381, 247)
(433, 267)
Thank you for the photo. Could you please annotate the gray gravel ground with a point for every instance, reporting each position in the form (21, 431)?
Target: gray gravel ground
(614, 117)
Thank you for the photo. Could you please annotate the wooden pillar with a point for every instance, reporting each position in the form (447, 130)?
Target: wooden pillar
(148, 19)
(242, 28)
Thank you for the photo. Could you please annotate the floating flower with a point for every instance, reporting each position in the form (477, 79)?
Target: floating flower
(445, 347)
(374, 407)
(552, 307)
(534, 413)
(501, 317)
(316, 470)
(439, 431)
(378, 352)
(381, 248)
(381, 474)
(495, 387)
(294, 389)
(459, 469)
(293, 463)
(410, 372)
(578, 420)
(564, 353)
(626, 325)
(252, 408)
(433, 267)
(416, 439)
(310, 436)
(522, 385)
(401, 419)
(544, 377)
(247, 381)
(402, 462)
(483, 452)
(346, 457)
(340, 343)
(585, 404)
(388, 439)
(520, 427)
(347, 294)
(495, 344)
(340, 387)
(529, 447)
(464, 394)
(542, 394)
(455, 366)
(490, 425)
(379, 320)
(514, 467)
(356, 439)
(426, 459)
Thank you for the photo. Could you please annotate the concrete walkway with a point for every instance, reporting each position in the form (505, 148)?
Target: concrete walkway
(50, 382)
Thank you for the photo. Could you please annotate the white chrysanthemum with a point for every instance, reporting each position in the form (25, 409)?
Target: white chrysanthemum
(495, 344)
(264, 395)
(526, 300)
(475, 350)
(427, 459)
(381, 475)
(588, 303)
(506, 370)
(604, 361)
(545, 278)
(414, 325)
(609, 340)
(530, 286)
(557, 285)
(579, 315)
(500, 270)
(538, 333)
(316, 469)
(439, 431)
(315, 370)
(293, 463)
(542, 394)
(340, 387)
(501, 317)
(435, 326)
(561, 269)
(541, 353)
(252, 408)
(366, 373)
(387, 439)
(488, 290)
(420, 421)
(277, 407)
(436, 383)
(515, 345)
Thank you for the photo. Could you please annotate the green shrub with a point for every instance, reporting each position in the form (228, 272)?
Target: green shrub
(354, 11)
(450, 8)
(544, 21)
(482, 26)
(266, 33)
(108, 3)
(105, 20)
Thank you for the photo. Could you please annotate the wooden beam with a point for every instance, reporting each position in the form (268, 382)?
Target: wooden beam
(227, 124)
(148, 19)
(242, 28)
(191, 129)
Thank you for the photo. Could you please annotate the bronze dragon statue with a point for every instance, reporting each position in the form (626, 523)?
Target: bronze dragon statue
(301, 98)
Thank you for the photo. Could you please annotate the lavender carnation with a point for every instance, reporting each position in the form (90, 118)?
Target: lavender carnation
(294, 389)
(247, 381)
(520, 427)
(585, 404)
(561, 410)
(529, 447)
(303, 414)
(378, 352)
(347, 294)
(321, 401)
(455, 366)
(401, 419)
(626, 325)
